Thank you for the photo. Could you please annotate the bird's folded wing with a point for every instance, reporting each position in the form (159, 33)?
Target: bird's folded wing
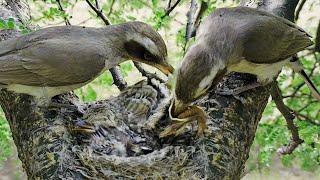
(51, 63)
(269, 39)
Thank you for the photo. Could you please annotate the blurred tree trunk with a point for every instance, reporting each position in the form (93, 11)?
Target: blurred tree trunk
(114, 138)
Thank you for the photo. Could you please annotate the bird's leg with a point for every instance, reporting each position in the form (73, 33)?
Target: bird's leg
(190, 114)
(196, 113)
(239, 90)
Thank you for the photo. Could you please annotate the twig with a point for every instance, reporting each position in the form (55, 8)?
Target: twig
(84, 21)
(307, 105)
(194, 16)
(190, 16)
(115, 71)
(170, 8)
(198, 17)
(190, 21)
(295, 91)
(289, 117)
(169, 4)
(306, 118)
(317, 41)
(66, 20)
(111, 7)
(99, 12)
(117, 78)
(147, 74)
(299, 9)
(97, 4)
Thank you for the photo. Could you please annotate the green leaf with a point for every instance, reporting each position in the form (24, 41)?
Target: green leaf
(91, 94)
(5, 139)
(125, 68)
(3, 24)
(154, 3)
(136, 4)
(287, 160)
(106, 79)
(11, 23)
(131, 18)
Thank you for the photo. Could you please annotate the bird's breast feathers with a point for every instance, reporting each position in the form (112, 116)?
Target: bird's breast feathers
(264, 72)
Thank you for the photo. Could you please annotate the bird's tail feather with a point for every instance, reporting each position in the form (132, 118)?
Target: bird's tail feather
(298, 68)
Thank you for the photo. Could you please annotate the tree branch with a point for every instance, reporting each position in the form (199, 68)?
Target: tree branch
(170, 8)
(289, 117)
(317, 41)
(299, 9)
(114, 138)
(111, 7)
(115, 71)
(147, 74)
(99, 12)
(198, 17)
(190, 19)
(66, 20)
(193, 20)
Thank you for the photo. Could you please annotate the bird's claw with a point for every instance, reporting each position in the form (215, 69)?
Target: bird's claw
(190, 114)
(174, 129)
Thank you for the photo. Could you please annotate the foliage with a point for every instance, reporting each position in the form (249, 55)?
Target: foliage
(11, 24)
(272, 132)
(5, 139)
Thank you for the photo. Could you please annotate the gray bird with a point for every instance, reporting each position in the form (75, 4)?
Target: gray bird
(56, 60)
(239, 39)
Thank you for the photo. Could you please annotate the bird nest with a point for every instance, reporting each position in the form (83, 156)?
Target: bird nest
(119, 138)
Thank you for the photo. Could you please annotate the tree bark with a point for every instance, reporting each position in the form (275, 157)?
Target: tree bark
(118, 137)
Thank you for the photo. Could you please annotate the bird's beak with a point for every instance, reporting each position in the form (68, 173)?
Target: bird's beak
(166, 68)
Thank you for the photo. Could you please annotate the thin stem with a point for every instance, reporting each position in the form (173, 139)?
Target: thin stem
(170, 8)
(299, 10)
(99, 13)
(111, 7)
(115, 71)
(66, 20)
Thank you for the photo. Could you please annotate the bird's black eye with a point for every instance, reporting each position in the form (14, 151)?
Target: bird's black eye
(147, 56)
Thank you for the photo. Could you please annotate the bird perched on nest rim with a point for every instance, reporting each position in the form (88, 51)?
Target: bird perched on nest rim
(239, 39)
(56, 60)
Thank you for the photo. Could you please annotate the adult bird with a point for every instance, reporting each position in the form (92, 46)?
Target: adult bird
(56, 60)
(239, 39)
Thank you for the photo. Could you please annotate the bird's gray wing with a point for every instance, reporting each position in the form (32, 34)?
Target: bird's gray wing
(54, 62)
(267, 38)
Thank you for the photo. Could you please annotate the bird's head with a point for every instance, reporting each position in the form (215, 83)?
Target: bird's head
(144, 44)
(199, 71)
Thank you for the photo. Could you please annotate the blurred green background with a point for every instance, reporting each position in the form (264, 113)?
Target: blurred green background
(264, 162)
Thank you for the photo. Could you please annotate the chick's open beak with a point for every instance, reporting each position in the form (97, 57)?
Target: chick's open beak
(165, 68)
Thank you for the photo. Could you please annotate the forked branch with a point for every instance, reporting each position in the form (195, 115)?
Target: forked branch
(289, 117)
(115, 71)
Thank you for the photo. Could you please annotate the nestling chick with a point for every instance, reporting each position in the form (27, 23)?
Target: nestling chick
(56, 60)
(239, 39)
